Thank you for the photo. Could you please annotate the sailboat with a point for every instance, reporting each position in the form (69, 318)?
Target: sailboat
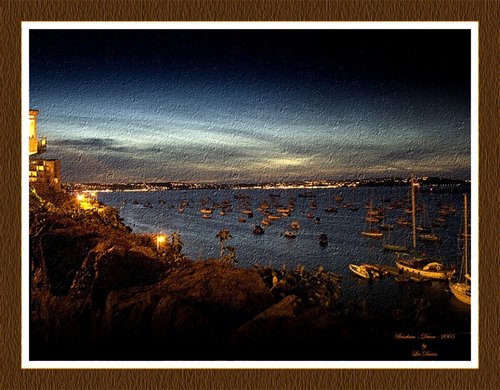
(462, 287)
(419, 264)
(371, 219)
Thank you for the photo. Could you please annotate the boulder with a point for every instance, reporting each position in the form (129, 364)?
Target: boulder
(219, 288)
(119, 268)
(270, 325)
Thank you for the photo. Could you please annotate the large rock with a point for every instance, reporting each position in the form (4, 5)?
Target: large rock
(119, 268)
(195, 308)
(270, 325)
(217, 287)
(64, 252)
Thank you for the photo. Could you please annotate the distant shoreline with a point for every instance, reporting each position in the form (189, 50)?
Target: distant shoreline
(426, 182)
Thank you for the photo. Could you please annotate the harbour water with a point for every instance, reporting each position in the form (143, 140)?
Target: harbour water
(154, 212)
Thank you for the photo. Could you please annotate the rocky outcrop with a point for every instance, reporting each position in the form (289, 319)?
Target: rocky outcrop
(194, 308)
(100, 292)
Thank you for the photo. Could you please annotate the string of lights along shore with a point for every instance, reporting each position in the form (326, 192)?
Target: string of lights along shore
(235, 106)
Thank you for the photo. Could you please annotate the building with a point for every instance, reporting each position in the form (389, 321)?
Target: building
(45, 174)
(36, 145)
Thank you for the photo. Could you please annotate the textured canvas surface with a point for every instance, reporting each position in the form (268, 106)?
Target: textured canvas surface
(14, 12)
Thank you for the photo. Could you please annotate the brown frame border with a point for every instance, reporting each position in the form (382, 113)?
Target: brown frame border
(13, 12)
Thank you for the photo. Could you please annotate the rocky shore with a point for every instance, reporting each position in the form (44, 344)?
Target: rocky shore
(100, 292)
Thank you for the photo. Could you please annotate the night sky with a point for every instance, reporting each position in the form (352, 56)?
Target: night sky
(252, 105)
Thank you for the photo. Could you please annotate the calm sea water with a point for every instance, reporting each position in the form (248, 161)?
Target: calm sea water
(343, 228)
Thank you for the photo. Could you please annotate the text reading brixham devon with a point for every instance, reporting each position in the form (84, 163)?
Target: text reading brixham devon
(321, 270)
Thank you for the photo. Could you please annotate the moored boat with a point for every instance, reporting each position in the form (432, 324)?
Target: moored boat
(420, 265)
(364, 271)
(295, 224)
(258, 230)
(266, 222)
(429, 237)
(372, 233)
(423, 267)
(395, 248)
(461, 288)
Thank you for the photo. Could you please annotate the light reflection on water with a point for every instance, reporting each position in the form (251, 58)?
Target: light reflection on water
(343, 228)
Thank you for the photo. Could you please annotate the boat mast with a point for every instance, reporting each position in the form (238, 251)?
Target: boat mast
(466, 237)
(413, 213)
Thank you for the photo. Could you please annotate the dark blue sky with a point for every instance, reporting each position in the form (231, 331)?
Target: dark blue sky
(251, 105)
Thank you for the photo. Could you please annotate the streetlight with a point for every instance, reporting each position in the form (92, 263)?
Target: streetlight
(160, 239)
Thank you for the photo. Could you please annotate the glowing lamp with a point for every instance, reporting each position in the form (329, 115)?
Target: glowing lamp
(160, 240)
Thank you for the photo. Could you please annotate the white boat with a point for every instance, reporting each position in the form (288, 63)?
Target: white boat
(421, 265)
(462, 291)
(424, 267)
(364, 271)
(461, 288)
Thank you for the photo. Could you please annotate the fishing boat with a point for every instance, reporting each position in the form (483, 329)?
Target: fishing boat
(323, 239)
(364, 271)
(461, 288)
(421, 265)
(289, 234)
